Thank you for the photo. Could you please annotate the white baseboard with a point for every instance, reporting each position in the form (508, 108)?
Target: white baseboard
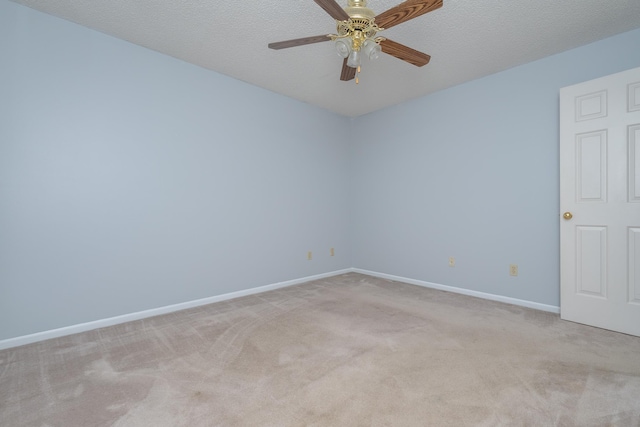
(477, 294)
(102, 323)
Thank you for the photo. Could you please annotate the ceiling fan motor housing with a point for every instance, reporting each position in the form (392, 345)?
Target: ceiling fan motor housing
(358, 9)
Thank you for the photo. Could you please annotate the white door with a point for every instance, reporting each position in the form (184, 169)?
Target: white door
(600, 202)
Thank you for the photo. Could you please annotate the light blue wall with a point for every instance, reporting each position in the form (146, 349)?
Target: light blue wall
(130, 180)
(473, 172)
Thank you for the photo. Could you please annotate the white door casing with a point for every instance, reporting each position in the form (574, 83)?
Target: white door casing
(600, 188)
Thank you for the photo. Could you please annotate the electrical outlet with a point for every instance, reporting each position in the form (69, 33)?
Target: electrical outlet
(332, 252)
(452, 261)
(513, 270)
(309, 256)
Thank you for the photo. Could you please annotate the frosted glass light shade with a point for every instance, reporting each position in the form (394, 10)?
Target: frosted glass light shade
(372, 49)
(343, 47)
(354, 59)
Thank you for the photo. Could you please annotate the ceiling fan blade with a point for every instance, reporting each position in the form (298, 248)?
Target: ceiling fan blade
(299, 42)
(405, 53)
(405, 11)
(333, 9)
(347, 73)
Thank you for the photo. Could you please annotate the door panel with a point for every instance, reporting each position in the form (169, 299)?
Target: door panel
(591, 165)
(600, 187)
(591, 262)
(634, 265)
(634, 163)
(591, 106)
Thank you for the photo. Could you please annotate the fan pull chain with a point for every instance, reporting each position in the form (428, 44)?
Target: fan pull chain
(357, 72)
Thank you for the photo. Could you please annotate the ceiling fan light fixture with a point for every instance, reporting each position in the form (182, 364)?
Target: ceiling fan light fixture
(356, 37)
(371, 49)
(344, 46)
(354, 59)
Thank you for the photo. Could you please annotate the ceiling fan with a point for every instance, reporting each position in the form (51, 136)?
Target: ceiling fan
(357, 27)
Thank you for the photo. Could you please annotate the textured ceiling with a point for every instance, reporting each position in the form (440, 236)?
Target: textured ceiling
(467, 39)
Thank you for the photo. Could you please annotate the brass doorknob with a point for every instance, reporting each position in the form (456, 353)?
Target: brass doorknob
(567, 215)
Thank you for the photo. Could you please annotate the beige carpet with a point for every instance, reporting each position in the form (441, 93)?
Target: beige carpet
(351, 350)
